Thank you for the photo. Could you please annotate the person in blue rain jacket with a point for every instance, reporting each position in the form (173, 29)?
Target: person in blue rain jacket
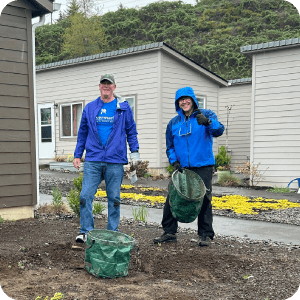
(106, 124)
(189, 140)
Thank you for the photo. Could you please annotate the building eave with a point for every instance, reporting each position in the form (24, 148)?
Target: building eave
(133, 50)
(269, 46)
(42, 7)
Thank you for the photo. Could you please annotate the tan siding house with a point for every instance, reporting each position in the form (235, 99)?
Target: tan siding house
(235, 114)
(275, 106)
(18, 168)
(148, 76)
(260, 114)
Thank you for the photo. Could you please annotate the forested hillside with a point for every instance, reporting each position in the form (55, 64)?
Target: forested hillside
(210, 32)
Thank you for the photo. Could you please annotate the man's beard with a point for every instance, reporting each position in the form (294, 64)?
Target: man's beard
(105, 96)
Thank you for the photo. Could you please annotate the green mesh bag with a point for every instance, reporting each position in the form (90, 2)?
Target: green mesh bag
(107, 253)
(186, 195)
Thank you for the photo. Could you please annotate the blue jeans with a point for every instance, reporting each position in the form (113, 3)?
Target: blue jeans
(94, 172)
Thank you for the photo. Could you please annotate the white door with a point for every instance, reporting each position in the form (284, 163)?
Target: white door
(46, 130)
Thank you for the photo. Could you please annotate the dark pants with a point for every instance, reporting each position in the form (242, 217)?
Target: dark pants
(205, 217)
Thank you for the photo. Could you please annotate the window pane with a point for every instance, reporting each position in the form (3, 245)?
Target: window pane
(130, 101)
(46, 134)
(45, 116)
(77, 113)
(66, 120)
(201, 102)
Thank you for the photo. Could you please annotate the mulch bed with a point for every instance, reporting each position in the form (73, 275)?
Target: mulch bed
(37, 259)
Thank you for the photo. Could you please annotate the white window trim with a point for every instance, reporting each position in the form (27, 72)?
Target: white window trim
(204, 98)
(60, 119)
(134, 104)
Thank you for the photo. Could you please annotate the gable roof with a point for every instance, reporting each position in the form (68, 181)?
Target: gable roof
(251, 49)
(134, 50)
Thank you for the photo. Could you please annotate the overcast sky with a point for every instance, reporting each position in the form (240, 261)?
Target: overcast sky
(111, 5)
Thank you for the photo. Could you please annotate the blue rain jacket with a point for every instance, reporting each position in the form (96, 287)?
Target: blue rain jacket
(188, 142)
(115, 149)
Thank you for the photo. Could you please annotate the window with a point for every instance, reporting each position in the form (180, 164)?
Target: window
(70, 119)
(201, 102)
(46, 126)
(131, 102)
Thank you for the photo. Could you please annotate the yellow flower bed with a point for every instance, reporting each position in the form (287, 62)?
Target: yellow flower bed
(150, 189)
(244, 205)
(57, 296)
(129, 186)
(136, 197)
(238, 204)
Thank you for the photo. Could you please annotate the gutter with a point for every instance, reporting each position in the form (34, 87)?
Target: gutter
(34, 26)
(56, 7)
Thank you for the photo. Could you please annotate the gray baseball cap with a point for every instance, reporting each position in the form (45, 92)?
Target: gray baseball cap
(108, 77)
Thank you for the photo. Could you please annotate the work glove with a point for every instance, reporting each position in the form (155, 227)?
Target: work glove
(202, 120)
(176, 165)
(135, 158)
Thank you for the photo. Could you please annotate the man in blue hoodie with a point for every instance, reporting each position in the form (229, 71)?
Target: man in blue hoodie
(106, 124)
(189, 139)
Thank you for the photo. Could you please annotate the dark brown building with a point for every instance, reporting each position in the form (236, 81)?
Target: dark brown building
(18, 167)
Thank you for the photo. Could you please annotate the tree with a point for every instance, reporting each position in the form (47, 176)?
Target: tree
(48, 43)
(210, 32)
(84, 37)
(72, 8)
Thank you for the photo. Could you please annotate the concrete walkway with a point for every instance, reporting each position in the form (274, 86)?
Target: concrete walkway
(256, 230)
(216, 190)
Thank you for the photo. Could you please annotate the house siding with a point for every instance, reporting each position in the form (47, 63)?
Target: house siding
(276, 126)
(176, 75)
(136, 75)
(18, 182)
(238, 97)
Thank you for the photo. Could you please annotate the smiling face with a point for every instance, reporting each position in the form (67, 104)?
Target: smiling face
(186, 104)
(107, 91)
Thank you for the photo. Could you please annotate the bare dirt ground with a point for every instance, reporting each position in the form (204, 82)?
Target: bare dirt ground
(37, 259)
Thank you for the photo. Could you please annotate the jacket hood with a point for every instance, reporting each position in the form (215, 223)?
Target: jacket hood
(186, 91)
(120, 100)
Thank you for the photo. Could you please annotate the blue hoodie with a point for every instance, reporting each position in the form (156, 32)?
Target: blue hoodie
(115, 149)
(188, 142)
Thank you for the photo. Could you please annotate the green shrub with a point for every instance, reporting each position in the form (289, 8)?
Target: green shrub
(1, 220)
(222, 158)
(170, 169)
(74, 201)
(229, 180)
(147, 175)
(57, 198)
(277, 189)
(78, 182)
(73, 197)
(98, 208)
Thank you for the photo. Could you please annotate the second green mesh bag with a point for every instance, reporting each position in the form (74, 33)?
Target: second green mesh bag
(186, 195)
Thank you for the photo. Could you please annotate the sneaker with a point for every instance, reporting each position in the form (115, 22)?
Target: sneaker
(81, 238)
(204, 241)
(166, 238)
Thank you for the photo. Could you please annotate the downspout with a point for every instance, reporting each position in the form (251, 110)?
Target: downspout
(34, 26)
